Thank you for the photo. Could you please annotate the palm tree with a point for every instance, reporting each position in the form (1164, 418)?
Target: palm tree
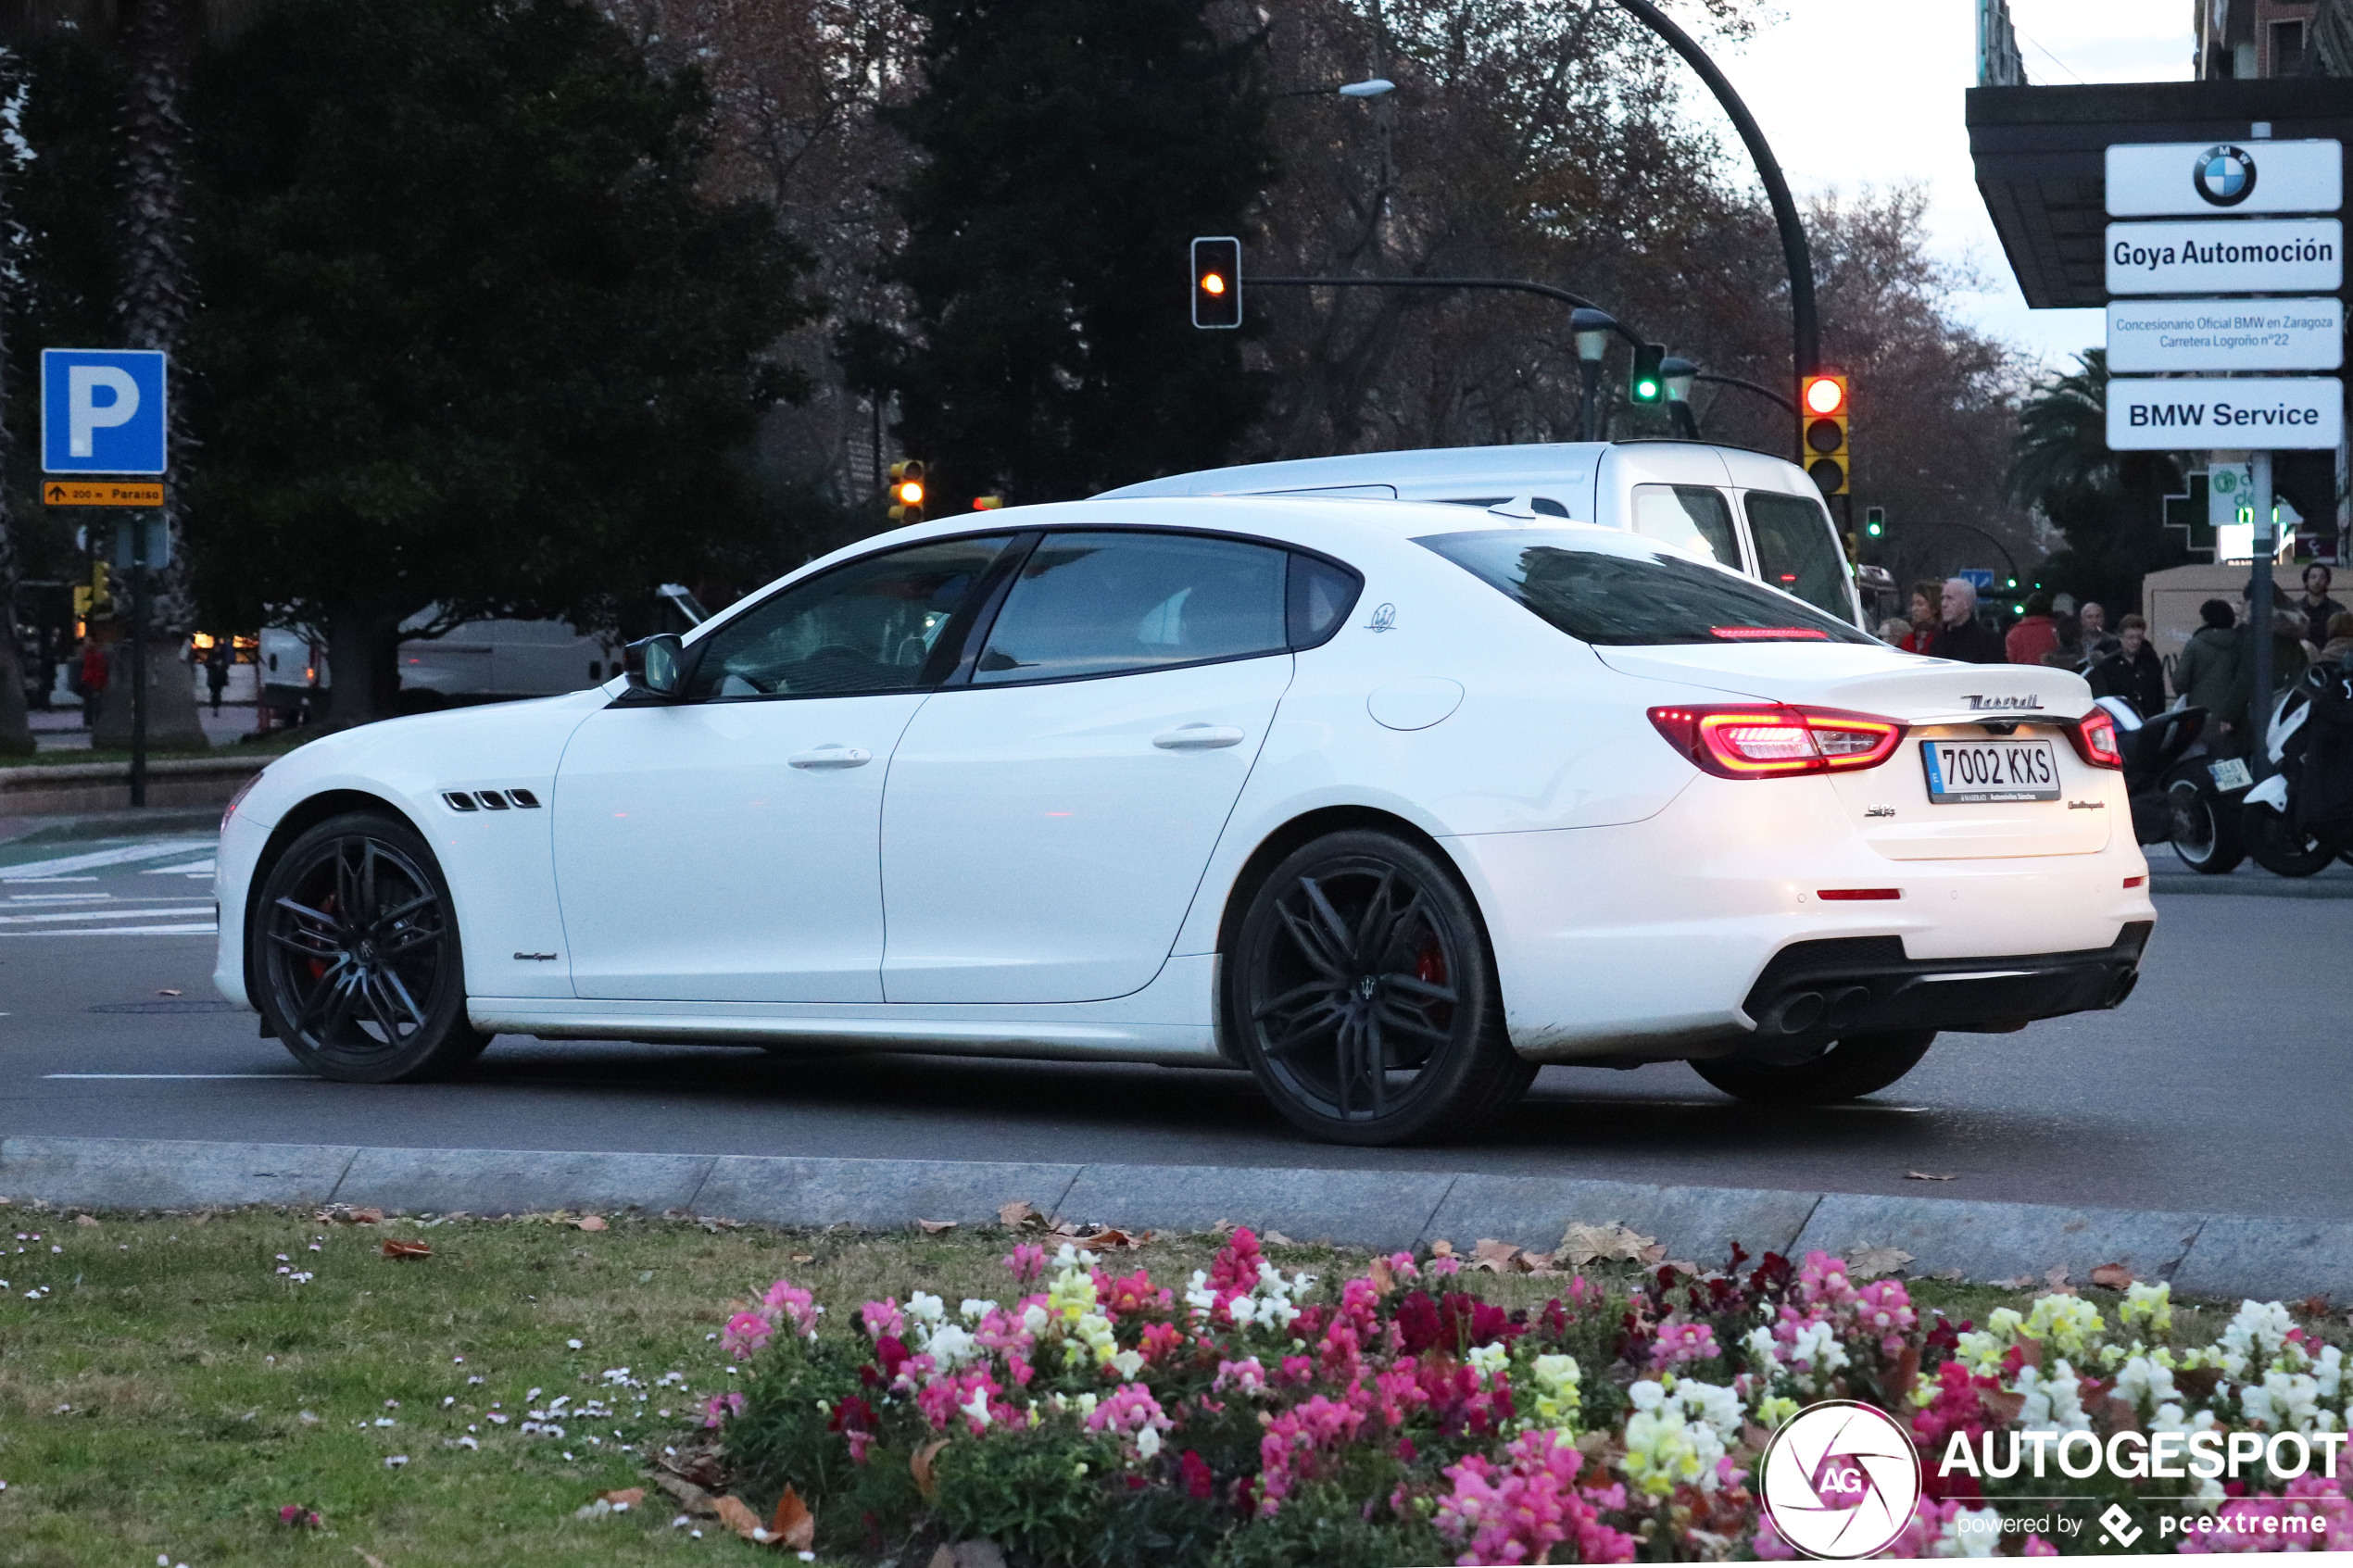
(2062, 435)
(2110, 505)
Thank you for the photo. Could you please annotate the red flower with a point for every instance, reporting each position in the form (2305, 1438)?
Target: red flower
(1199, 1482)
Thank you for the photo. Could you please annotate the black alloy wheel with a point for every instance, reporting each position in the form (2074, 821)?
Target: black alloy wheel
(2278, 848)
(1856, 1065)
(2203, 830)
(1362, 993)
(354, 949)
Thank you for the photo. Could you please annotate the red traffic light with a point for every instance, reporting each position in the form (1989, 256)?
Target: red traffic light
(1211, 283)
(1824, 396)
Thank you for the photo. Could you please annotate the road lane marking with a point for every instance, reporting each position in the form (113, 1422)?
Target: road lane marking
(104, 914)
(38, 870)
(60, 897)
(206, 929)
(194, 868)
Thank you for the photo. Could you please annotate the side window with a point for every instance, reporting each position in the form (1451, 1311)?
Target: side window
(1321, 596)
(1100, 603)
(1795, 551)
(1690, 518)
(868, 626)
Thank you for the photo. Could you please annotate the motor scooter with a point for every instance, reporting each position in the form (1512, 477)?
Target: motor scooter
(2174, 787)
(2268, 817)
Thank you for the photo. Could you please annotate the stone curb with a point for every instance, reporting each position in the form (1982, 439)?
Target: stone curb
(2214, 1256)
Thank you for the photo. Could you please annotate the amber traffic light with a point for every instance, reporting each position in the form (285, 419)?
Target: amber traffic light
(907, 490)
(1217, 282)
(1824, 400)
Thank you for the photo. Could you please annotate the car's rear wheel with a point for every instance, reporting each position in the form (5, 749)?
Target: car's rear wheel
(2278, 848)
(1362, 993)
(1854, 1066)
(353, 946)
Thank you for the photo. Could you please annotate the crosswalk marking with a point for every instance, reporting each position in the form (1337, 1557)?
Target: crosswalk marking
(33, 871)
(106, 914)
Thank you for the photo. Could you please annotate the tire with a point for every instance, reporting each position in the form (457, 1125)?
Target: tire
(354, 950)
(1362, 993)
(1853, 1066)
(2205, 830)
(2271, 838)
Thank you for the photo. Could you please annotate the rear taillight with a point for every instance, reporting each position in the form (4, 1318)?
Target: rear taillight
(2094, 738)
(1769, 741)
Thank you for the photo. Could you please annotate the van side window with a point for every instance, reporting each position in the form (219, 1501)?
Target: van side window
(1796, 552)
(1691, 518)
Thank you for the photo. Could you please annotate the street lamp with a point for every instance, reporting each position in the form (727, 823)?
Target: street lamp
(1371, 87)
(1593, 328)
(1679, 373)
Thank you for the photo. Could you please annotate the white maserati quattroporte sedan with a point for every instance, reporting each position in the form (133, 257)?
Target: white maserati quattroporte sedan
(1387, 802)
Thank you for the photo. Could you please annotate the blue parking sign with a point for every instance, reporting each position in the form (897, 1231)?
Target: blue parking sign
(1982, 578)
(103, 410)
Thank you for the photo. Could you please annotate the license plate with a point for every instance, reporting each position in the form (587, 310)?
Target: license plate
(1964, 773)
(2229, 773)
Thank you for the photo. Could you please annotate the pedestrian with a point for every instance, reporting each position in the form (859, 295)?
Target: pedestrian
(2315, 605)
(2035, 634)
(1959, 635)
(2098, 642)
(93, 684)
(2339, 647)
(217, 660)
(2133, 672)
(1927, 599)
(1895, 632)
(2211, 672)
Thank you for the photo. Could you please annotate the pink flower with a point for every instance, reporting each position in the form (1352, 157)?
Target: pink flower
(1439, 1268)
(1518, 1513)
(1401, 1266)
(1245, 1376)
(1679, 1343)
(745, 1332)
(883, 1318)
(1292, 1442)
(1027, 1261)
(719, 1407)
(791, 1301)
(1131, 1412)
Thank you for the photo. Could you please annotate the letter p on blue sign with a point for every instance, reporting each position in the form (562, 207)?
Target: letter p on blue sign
(103, 410)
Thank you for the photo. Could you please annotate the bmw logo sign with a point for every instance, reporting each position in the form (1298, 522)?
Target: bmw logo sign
(2224, 175)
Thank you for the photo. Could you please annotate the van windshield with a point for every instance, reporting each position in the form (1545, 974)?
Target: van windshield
(1620, 596)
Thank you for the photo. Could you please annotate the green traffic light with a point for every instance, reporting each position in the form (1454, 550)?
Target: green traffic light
(1646, 390)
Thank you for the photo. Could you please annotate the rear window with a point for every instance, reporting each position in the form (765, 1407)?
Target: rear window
(1795, 551)
(1620, 596)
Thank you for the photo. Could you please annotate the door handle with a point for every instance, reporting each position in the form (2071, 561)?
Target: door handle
(1199, 737)
(831, 757)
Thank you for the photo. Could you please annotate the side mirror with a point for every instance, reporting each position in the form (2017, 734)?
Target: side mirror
(656, 664)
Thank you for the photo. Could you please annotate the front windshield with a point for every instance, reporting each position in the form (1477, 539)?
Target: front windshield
(1611, 590)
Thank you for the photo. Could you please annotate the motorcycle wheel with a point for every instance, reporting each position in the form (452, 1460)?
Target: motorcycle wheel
(2271, 838)
(2205, 834)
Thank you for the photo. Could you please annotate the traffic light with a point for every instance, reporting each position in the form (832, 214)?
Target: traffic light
(1823, 398)
(1217, 282)
(907, 490)
(1875, 522)
(1649, 384)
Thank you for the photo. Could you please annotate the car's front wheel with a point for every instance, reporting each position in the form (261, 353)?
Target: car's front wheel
(1853, 1066)
(354, 947)
(1362, 993)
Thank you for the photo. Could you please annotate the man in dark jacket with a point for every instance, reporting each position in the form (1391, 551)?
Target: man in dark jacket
(2211, 671)
(2133, 672)
(1960, 636)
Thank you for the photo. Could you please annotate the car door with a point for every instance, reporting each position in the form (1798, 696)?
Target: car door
(722, 847)
(1051, 809)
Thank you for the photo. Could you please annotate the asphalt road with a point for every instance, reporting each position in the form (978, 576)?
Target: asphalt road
(2222, 1085)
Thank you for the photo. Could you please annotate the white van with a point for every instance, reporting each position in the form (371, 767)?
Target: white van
(1759, 515)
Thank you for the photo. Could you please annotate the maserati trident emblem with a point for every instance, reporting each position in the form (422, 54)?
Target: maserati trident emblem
(1384, 620)
(1980, 704)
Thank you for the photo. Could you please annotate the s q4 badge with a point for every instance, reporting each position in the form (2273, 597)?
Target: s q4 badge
(1384, 620)
(1878, 811)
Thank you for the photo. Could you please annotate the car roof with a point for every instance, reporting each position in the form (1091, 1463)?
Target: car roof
(1486, 468)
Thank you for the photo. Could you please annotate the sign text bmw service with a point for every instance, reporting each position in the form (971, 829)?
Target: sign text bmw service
(2278, 413)
(103, 410)
(2184, 178)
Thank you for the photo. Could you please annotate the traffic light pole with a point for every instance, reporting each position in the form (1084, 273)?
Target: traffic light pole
(138, 660)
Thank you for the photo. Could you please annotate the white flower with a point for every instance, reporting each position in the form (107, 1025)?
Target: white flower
(1148, 1442)
(978, 1406)
(1972, 1532)
(973, 1310)
(1033, 1318)
(950, 1347)
(1489, 1360)
(927, 1309)
(1129, 1363)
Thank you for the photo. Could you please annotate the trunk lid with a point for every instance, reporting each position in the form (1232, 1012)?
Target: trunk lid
(1989, 707)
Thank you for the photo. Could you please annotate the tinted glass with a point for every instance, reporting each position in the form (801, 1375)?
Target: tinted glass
(1622, 595)
(1795, 551)
(1321, 596)
(865, 627)
(1098, 604)
(1691, 518)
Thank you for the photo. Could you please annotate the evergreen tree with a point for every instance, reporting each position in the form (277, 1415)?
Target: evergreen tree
(472, 338)
(1071, 148)
(2111, 505)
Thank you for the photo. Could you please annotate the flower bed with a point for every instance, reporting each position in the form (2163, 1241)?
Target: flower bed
(1250, 1416)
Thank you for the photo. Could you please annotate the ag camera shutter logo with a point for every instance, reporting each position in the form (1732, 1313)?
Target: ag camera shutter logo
(1841, 1480)
(2224, 175)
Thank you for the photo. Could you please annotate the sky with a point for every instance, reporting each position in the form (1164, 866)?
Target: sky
(1854, 93)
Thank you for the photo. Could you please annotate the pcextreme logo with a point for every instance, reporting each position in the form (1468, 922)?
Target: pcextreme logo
(1841, 1480)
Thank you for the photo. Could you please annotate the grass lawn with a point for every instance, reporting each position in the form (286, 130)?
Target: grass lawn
(168, 1388)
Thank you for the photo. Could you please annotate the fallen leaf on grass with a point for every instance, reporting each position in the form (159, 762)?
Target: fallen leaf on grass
(1612, 1243)
(397, 1249)
(1109, 1240)
(1926, 1176)
(933, 1227)
(919, 1465)
(592, 1223)
(1870, 1262)
(1276, 1238)
(1956, 1275)
(2055, 1276)
(85, 1220)
(1441, 1247)
(2314, 1306)
(736, 1516)
(804, 1257)
(626, 1497)
(691, 1499)
(2115, 1277)
(167, 991)
(1019, 1215)
(1537, 1263)
(1495, 1257)
(794, 1527)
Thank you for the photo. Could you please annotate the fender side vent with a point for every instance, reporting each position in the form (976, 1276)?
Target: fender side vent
(491, 799)
(458, 800)
(523, 798)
